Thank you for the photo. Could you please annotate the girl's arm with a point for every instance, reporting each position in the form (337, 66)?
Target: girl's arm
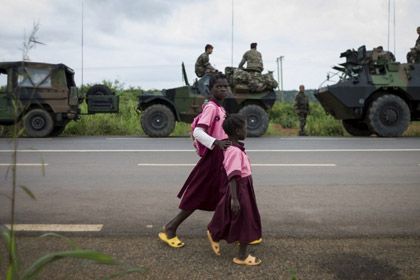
(201, 135)
(234, 202)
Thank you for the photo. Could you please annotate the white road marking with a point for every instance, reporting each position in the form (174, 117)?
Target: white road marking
(164, 164)
(255, 164)
(24, 164)
(57, 227)
(182, 151)
(295, 164)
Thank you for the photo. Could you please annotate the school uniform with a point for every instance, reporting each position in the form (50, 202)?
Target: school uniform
(244, 227)
(207, 182)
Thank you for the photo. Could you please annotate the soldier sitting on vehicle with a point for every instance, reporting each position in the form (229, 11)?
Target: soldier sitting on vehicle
(413, 56)
(202, 65)
(253, 60)
(203, 69)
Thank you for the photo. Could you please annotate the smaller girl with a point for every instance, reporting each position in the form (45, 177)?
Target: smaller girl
(236, 218)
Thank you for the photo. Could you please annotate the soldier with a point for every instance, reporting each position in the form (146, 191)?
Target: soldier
(302, 109)
(413, 56)
(253, 60)
(202, 65)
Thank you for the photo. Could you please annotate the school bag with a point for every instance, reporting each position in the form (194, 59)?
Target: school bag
(200, 148)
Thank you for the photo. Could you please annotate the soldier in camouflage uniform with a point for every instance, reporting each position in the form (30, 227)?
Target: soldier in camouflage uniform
(302, 109)
(413, 56)
(253, 60)
(202, 65)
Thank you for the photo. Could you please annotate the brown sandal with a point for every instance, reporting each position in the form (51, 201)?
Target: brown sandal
(215, 246)
(249, 261)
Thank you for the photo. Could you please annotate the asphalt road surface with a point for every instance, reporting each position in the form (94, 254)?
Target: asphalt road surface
(332, 208)
(305, 187)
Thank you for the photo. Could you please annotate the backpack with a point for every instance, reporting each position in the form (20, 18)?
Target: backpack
(199, 148)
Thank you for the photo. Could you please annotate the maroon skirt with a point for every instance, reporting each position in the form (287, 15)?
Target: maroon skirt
(206, 184)
(243, 227)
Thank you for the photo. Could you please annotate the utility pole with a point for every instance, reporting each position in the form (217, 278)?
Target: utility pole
(279, 61)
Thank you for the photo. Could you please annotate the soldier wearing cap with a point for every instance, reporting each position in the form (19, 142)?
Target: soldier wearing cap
(302, 109)
(253, 59)
(202, 65)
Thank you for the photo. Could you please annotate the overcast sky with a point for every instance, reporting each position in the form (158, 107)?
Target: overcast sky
(143, 42)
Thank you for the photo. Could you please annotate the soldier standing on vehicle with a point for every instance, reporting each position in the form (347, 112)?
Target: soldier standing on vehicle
(253, 59)
(202, 65)
(302, 109)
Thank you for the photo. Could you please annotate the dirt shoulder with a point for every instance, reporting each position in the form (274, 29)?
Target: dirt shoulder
(361, 258)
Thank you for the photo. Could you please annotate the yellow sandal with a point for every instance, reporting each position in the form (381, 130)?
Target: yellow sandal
(174, 242)
(215, 246)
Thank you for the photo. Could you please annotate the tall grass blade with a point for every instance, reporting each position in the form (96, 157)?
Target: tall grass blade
(73, 245)
(40, 264)
(28, 192)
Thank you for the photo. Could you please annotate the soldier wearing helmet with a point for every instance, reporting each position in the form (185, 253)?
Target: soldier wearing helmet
(253, 59)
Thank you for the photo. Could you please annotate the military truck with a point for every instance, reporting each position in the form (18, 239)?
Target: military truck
(160, 111)
(44, 97)
(375, 94)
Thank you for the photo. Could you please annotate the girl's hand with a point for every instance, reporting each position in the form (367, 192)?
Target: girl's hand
(234, 206)
(222, 144)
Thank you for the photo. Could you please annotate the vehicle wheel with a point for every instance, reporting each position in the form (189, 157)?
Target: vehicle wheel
(38, 123)
(356, 128)
(388, 116)
(157, 121)
(98, 90)
(257, 120)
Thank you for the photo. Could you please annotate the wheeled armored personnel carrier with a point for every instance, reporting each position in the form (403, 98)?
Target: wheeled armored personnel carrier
(45, 97)
(160, 111)
(375, 94)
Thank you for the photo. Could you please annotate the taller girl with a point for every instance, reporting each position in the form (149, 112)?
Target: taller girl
(207, 182)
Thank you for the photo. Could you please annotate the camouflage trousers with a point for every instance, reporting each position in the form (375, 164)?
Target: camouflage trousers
(302, 123)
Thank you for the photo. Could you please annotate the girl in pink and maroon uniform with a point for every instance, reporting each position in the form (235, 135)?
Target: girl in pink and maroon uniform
(236, 218)
(207, 182)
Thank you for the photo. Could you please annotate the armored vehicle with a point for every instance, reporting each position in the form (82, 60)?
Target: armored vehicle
(375, 94)
(160, 111)
(44, 97)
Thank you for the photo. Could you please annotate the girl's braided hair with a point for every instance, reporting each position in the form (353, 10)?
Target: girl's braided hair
(233, 122)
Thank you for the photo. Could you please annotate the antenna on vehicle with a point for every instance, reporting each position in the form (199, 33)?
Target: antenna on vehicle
(81, 86)
(184, 75)
(231, 58)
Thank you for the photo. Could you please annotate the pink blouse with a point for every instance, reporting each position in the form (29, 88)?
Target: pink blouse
(212, 119)
(236, 163)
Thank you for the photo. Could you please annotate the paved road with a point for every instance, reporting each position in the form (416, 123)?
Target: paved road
(305, 187)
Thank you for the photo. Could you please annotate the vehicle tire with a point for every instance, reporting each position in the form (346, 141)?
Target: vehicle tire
(388, 116)
(257, 120)
(98, 90)
(38, 123)
(356, 128)
(157, 121)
